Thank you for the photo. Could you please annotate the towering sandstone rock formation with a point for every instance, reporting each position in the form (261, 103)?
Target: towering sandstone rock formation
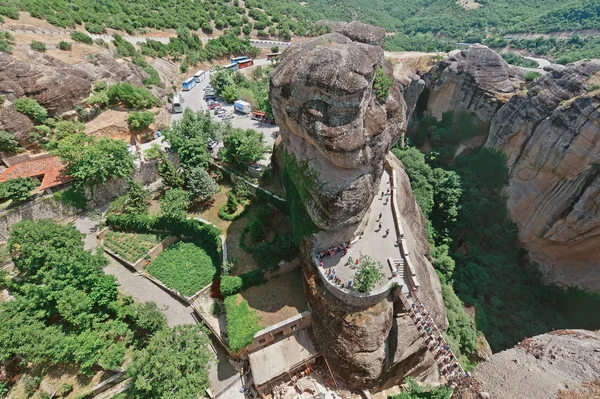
(336, 135)
(550, 131)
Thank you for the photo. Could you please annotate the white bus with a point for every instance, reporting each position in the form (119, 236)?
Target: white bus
(177, 104)
(199, 76)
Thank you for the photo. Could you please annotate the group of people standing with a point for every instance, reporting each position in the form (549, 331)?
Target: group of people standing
(447, 362)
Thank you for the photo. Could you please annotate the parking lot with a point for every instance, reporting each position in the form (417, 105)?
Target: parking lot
(194, 99)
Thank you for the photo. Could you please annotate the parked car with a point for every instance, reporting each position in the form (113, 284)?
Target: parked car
(214, 105)
(212, 144)
(209, 87)
(218, 110)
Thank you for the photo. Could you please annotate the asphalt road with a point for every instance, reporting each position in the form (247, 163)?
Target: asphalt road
(194, 100)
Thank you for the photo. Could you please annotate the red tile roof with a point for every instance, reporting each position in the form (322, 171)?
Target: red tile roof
(49, 168)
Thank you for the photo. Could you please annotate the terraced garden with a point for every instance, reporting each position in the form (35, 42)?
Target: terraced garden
(130, 246)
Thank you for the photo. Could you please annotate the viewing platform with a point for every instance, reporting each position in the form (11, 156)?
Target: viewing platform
(382, 240)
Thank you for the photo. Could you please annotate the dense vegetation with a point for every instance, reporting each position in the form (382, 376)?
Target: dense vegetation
(66, 310)
(130, 247)
(475, 245)
(184, 267)
(242, 323)
(415, 391)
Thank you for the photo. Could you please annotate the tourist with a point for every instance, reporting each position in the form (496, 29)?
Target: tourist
(321, 263)
(380, 215)
(387, 232)
(379, 226)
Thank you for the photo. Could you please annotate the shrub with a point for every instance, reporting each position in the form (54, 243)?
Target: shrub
(232, 203)
(131, 96)
(174, 204)
(140, 120)
(231, 285)
(81, 37)
(17, 189)
(41, 135)
(184, 267)
(223, 213)
(241, 190)
(65, 46)
(38, 46)
(257, 230)
(68, 128)
(242, 323)
(530, 76)
(8, 143)
(31, 108)
(30, 384)
(99, 99)
(100, 85)
(382, 84)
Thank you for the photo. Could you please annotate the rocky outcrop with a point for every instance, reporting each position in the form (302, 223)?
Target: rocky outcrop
(540, 367)
(335, 130)
(58, 87)
(551, 138)
(15, 122)
(548, 130)
(477, 80)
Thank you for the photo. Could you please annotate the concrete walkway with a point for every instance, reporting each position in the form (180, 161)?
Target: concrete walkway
(374, 243)
(222, 374)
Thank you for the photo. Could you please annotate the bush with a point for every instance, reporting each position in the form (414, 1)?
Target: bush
(8, 143)
(99, 99)
(231, 285)
(223, 213)
(30, 384)
(131, 96)
(241, 190)
(17, 189)
(68, 128)
(31, 108)
(81, 37)
(65, 46)
(100, 85)
(38, 46)
(257, 230)
(174, 204)
(242, 323)
(140, 120)
(382, 84)
(184, 267)
(530, 76)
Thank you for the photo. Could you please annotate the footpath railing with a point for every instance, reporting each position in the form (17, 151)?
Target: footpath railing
(436, 343)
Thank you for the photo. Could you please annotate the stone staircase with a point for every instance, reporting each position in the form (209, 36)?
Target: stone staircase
(447, 362)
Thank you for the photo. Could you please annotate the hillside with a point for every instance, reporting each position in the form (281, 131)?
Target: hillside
(412, 25)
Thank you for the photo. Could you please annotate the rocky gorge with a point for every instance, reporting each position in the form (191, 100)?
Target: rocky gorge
(549, 130)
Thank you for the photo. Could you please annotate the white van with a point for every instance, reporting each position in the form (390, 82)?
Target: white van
(177, 104)
(199, 76)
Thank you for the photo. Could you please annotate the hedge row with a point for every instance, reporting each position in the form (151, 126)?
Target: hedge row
(226, 216)
(231, 285)
(190, 228)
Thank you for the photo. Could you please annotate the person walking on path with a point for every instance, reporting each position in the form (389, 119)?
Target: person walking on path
(379, 229)
(387, 232)
(380, 215)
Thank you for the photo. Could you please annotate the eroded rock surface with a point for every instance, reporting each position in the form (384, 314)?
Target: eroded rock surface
(334, 128)
(540, 367)
(477, 80)
(551, 136)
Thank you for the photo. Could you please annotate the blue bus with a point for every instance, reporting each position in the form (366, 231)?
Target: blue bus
(233, 66)
(236, 59)
(188, 84)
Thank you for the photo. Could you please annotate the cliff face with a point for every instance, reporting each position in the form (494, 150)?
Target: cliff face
(549, 131)
(551, 137)
(556, 364)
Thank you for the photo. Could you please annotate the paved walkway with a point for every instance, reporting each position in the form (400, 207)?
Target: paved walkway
(376, 242)
(222, 374)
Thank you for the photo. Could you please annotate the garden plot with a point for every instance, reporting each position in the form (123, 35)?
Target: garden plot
(130, 246)
(184, 267)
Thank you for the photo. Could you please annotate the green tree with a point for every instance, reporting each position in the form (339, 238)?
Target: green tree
(94, 161)
(229, 94)
(31, 108)
(368, 274)
(275, 49)
(8, 143)
(17, 189)
(171, 177)
(243, 147)
(148, 319)
(68, 128)
(174, 365)
(201, 185)
(175, 203)
(189, 138)
(140, 120)
(137, 199)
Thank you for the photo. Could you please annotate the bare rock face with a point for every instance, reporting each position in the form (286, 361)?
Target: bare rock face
(58, 87)
(15, 122)
(334, 129)
(477, 80)
(551, 137)
(542, 366)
